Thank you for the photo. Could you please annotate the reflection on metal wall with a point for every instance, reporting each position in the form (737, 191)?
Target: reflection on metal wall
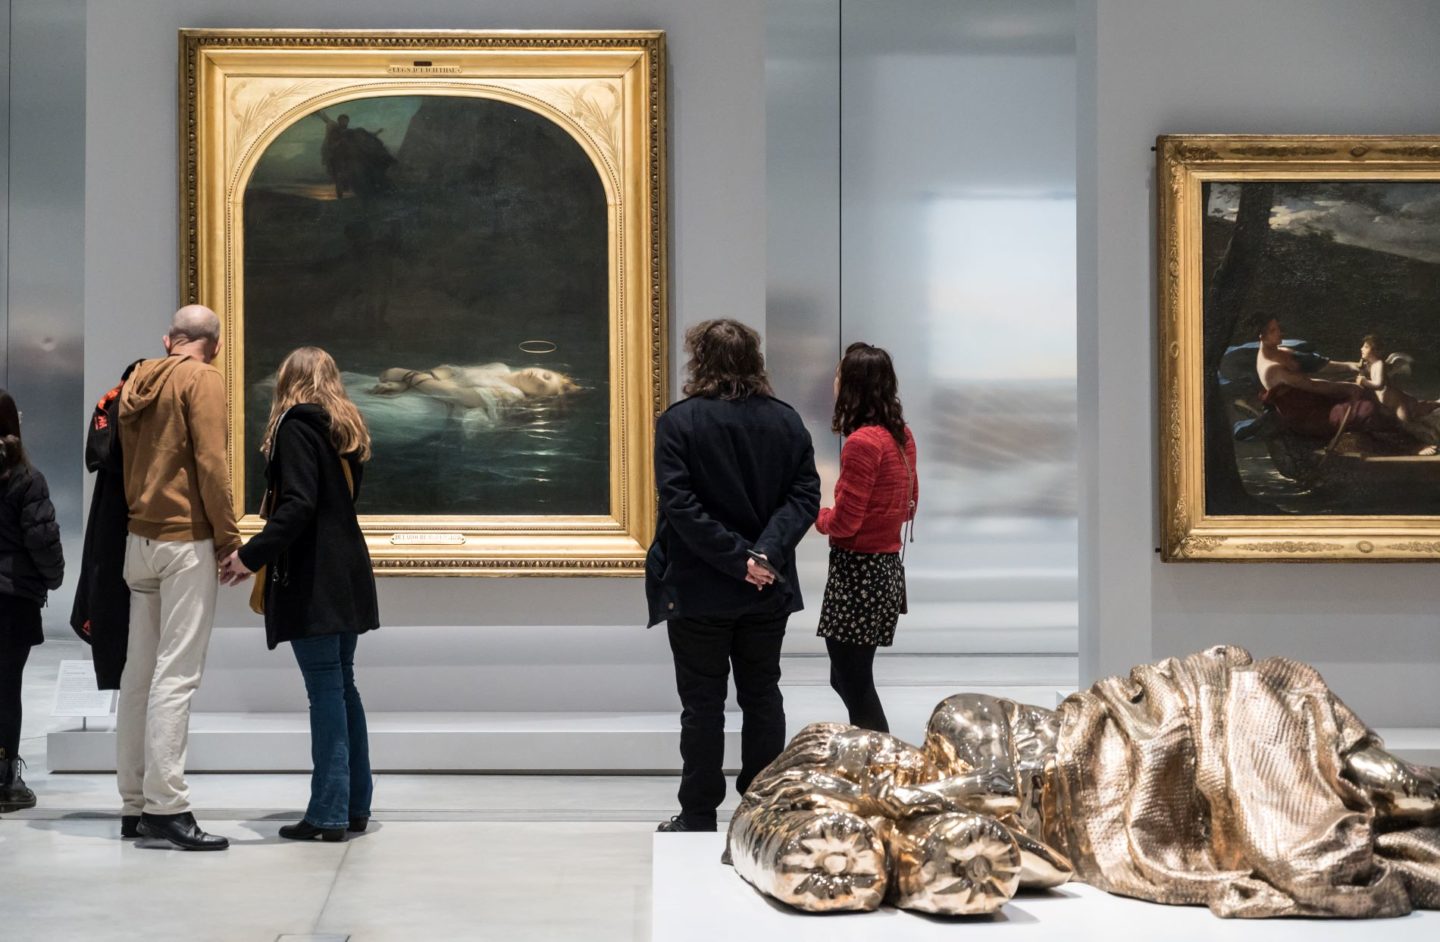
(46, 255)
(951, 128)
(802, 291)
(958, 149)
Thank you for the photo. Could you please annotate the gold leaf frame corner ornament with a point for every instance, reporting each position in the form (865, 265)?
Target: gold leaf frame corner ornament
(240, 88)
(1188, 533)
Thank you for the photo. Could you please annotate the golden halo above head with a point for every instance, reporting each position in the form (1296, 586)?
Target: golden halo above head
(538, 346)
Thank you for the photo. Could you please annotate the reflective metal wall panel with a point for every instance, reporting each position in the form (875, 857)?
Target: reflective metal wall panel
(921, 196)
(46, 256)
(802, 286)
(958, 255)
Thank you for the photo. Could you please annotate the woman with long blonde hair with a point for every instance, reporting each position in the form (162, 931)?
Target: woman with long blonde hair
(317, 443)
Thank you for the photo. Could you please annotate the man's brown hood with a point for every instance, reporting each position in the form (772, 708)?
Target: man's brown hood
(145, 385)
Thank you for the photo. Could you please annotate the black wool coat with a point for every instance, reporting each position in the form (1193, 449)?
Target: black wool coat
(319, 580)
(31, 561)
(733, 476)
(101, 613)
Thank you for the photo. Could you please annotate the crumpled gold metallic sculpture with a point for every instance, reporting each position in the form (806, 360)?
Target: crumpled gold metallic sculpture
(1213, 779)
(846, 819)
(1246, 786)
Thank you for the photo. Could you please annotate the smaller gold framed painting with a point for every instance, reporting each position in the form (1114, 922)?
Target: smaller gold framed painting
(473, 225)
(1299, 345)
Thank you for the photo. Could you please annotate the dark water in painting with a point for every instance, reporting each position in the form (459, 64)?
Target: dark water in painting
(434, 230)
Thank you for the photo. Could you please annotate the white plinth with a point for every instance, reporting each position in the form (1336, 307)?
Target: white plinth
(694, 898)
(492, 741)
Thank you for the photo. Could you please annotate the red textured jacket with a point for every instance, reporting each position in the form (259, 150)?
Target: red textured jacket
(870, 497)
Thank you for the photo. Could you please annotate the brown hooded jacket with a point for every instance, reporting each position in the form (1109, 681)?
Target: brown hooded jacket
(172, 436)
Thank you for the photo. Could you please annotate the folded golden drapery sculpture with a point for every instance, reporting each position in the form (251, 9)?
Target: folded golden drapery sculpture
(1214, 779)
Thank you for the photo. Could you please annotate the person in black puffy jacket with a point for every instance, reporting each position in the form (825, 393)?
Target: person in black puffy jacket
(31, 564)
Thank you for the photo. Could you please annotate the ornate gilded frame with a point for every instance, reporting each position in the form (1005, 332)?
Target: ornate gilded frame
(1187, 532)
(240, 88)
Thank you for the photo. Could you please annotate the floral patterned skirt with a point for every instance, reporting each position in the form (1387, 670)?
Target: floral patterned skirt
(862, 597)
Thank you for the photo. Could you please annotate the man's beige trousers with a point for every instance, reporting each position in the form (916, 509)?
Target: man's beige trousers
(172, 610)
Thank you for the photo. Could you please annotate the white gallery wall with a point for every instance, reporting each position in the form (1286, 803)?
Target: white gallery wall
(518, 645)
(514, 649)
(104, 232)
(1227, 66)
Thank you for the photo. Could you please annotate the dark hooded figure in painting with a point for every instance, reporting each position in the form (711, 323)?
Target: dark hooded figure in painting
(355, 158)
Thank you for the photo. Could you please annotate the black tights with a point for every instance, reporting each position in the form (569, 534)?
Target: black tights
(853, 677)
(14, 652)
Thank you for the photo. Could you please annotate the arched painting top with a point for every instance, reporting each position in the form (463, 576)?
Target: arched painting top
(254, 151)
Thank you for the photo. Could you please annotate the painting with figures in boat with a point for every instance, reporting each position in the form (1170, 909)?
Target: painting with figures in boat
(1330, 376)
(473, 224)
(1300, 347)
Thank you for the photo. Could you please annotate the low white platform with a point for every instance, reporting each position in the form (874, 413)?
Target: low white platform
(493, 741)
(695, 898)
(1417, 744)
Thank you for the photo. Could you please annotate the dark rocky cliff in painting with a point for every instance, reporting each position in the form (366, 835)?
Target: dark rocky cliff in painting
(496, 187)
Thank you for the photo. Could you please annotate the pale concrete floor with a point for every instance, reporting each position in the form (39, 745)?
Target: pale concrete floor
(461, 857)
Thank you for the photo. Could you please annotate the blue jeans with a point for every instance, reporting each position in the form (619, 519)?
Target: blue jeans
(340, 786)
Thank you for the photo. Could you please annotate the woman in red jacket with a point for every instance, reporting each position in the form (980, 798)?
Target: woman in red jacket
(874, 498)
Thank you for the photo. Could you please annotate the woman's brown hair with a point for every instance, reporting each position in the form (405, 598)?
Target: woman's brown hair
(725, 361)
(309, 374)
(869, 393)
(12, 452)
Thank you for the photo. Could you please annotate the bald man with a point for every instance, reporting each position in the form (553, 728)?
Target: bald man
(177, 485)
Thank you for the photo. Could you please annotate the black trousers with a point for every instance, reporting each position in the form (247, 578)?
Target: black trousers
(14, 652)
(852, 675)
(705, 649)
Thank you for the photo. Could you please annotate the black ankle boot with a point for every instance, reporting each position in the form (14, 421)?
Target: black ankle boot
(14, 796)
(178, 830)
(305, 831)
(358, 825)
(129, 827)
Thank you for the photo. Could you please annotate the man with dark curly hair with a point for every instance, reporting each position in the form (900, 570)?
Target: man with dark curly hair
(738, 489)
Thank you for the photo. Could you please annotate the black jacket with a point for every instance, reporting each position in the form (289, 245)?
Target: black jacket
(31, 561)
(320, 581)
(101, 613)
(733, 475)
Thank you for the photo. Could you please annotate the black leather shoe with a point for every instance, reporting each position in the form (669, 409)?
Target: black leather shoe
(179, 830)
(679, 823)
(358, 825)
(305, 831)
(129, 827)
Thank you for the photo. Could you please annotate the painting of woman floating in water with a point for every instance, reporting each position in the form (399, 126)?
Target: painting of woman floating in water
(1302, 369)
(466, 249)
(450, 252)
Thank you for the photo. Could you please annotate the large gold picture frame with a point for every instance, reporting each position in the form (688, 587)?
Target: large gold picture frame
(241, 89)
(1309, 246)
